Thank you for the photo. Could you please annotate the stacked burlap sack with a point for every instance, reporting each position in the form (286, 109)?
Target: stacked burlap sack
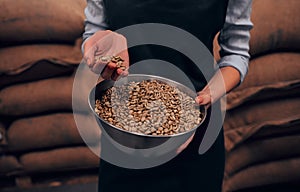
(262, 124)
(40, 51)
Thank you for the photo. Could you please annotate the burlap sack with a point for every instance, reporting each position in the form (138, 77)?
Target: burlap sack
(39, 70)
(62, 159)
(35, 97)
(9, 165)
(24, 21)
(275, 172)
(47, 131)
(43, 131)
(276, 26)
(271, 131)
(263, 150)
(272, 68)
(243, 122)
(17, 59)
(264, 92)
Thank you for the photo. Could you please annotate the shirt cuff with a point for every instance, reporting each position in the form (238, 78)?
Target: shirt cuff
(238, 62)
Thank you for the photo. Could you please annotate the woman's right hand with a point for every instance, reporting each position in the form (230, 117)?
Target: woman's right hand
(107, 44)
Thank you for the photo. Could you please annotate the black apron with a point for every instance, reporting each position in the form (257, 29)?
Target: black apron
(189, 171)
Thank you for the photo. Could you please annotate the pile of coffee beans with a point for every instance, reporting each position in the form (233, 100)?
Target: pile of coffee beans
(150, 107)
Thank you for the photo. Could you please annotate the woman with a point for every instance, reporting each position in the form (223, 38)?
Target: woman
(188, 171)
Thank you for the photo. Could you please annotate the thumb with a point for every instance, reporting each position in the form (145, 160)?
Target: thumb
(203, 98)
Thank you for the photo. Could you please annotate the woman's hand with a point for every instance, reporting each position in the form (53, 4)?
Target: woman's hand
(204, 97)
(105, 44)
(223, 82)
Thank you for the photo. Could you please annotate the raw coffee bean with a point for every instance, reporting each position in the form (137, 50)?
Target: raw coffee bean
(150, 107)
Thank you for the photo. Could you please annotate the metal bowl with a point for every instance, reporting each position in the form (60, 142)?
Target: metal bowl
(137, 140)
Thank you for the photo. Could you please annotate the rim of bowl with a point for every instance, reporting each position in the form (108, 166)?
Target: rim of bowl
(93, 90)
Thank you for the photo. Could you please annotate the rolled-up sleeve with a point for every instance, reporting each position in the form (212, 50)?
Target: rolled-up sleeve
(94, 18)
(235, 35)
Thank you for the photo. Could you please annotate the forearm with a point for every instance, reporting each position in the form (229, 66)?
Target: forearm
(235, 35)
(225, 79)
(234, 42)
(94, 19)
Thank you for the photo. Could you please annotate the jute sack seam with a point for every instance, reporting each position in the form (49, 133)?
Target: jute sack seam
(259, 93)
(60, 159)
(258, 151)
(9, 165)
(274, 172)
(20, 58)
(236, 136)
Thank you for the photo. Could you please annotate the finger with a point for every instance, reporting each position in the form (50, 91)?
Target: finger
(89, 55)
(98, 68)
(203, 99)
(108, 71)
(123, 73)
(124, 55)
(114, 76)
(100, 64)
(97, 45)
(120, 72)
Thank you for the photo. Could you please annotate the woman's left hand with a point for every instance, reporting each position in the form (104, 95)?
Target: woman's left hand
(203, 98)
